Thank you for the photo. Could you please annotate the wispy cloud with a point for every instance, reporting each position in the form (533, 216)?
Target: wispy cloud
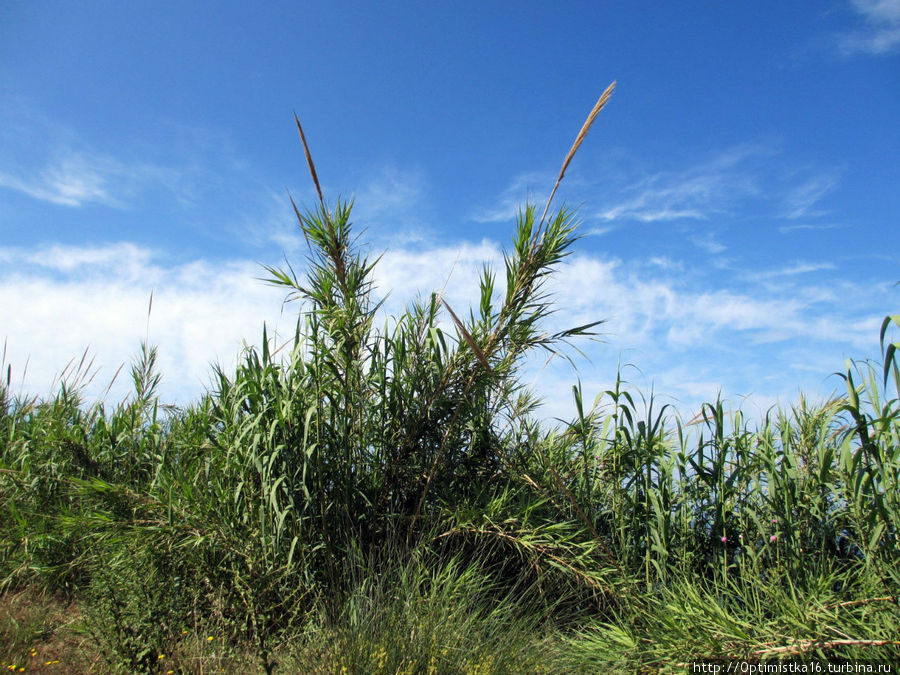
(801, 199)
(72, 180)
(598, 231)
(793, 270)
(708, 243)
(62, 184)
(267, 218)
(395, 205)
(744, 181)
(784, 229)
(80, 176)
(747, 178)
(51, 162)
(665, 263)
(390, 192)
(696, 193)
(880, 33)
(507, 205)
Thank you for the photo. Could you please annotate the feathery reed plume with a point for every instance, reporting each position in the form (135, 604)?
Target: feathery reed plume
(601, 102)
(309, 160)
(335, 252)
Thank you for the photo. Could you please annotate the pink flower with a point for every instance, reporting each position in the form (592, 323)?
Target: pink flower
(773, 538)
(724, 539)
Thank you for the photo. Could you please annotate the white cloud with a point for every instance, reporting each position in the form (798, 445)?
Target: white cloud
(881, 32)
(737, 342)
(128, 259)
(454, 271)
(690, 340)
(201, 312)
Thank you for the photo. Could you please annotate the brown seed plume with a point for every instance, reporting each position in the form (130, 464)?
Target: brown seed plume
(309, 160)
(604, 97)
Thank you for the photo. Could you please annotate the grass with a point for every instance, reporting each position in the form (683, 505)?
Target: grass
(382, 500)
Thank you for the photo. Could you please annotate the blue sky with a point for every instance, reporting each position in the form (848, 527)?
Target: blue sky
(738, 196)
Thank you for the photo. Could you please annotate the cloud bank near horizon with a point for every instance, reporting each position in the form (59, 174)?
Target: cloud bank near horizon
(688, 342)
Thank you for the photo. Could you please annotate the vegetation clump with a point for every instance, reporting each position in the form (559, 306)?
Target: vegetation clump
(383, 500)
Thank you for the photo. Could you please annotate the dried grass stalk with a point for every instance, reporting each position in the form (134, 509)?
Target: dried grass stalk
(601, 102)
(309, 160)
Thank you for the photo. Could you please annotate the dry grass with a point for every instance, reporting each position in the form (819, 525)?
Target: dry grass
(37, 633)
(579, 139)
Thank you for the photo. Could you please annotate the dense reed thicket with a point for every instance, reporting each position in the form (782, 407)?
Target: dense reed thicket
(376, 498)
